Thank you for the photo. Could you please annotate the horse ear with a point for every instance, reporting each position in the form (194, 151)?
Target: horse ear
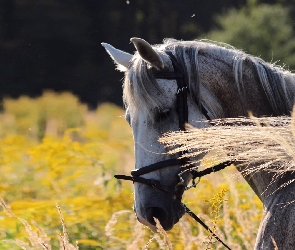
(147, 53)
(120, 57)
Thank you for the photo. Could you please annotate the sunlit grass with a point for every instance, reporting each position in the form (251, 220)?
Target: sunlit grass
(69, 157)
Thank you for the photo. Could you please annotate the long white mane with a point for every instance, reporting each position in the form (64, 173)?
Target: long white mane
(140, 88)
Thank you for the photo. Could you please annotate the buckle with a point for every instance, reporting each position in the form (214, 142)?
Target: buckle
(194, 182)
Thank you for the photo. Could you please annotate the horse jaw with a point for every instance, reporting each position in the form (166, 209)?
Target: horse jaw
(120, 57)
(147, 53)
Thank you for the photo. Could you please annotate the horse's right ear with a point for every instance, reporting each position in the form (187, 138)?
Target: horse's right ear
(120, 57)
(147, 53)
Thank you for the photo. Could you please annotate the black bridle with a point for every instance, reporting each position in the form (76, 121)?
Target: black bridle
(182, 110)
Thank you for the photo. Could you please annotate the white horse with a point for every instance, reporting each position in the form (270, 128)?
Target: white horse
(222, 82)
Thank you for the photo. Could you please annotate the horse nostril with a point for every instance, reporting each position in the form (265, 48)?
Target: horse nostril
(156, 212)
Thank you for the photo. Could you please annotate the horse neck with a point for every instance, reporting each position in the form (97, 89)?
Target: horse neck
(257, 100)
(237, 100)
(265, 184)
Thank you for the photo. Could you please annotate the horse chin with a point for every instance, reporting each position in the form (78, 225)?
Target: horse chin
(165, 226)
(167, 220)
(146, 223)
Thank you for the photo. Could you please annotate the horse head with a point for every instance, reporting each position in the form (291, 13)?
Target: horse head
(150, 94)
(181, 82)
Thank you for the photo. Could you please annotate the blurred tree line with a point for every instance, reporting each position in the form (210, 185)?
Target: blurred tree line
(55, 44)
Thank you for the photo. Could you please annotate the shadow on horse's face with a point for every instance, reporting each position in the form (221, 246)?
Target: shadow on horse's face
(151, 202)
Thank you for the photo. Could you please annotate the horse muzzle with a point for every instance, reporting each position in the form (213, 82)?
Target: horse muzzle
(161, 206)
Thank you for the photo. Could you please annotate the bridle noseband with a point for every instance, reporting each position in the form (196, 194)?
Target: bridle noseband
(182, 110)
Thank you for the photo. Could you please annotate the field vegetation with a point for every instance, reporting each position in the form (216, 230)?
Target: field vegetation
(55, 151)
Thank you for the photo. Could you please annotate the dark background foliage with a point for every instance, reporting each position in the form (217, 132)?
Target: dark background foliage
(55, 44)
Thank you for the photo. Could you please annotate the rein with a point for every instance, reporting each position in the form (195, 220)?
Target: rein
(182, 109)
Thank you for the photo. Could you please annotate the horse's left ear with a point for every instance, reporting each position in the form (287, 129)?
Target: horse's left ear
(120, 57)
(147, 53)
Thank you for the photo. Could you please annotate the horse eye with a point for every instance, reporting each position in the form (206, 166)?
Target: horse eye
(127, 118)
(162, 114)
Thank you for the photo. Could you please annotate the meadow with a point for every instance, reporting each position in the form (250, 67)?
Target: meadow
(57, 161)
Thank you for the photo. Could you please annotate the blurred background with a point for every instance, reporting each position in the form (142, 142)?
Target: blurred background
(54, 149)
(55, 45)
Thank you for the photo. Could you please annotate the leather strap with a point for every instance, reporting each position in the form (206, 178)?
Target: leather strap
(157, 166)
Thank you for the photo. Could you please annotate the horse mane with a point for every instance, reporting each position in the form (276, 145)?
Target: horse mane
(140, 89)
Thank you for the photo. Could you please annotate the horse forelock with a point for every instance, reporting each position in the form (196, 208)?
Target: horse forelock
(140, 89)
